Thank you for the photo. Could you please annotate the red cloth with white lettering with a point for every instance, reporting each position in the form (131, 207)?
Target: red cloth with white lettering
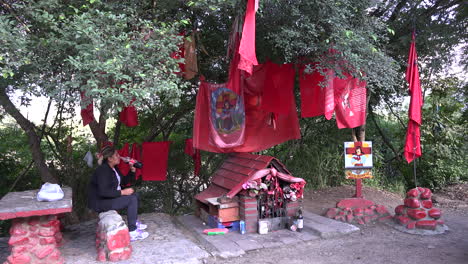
(350, 102)
(87, 112)
(413, 134)
(155, 156)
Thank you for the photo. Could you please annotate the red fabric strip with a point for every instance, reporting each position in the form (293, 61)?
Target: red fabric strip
(155, 156)
(86, 113)
(278, 95)
(248, 57)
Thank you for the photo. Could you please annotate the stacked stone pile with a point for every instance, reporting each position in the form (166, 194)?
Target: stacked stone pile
(112, 238)
(357, 210)
(417, 210)
(35, 240)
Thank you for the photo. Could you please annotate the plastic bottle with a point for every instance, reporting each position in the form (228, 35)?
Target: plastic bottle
(300, 221)
(242, 227)
(134, 162)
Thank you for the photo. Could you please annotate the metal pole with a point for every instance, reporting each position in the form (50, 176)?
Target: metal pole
(414, 159)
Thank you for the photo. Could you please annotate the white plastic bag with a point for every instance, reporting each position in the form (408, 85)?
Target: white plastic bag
(50, 192)
(88, 158)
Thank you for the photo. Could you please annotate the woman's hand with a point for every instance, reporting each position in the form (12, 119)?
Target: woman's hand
(127, 191)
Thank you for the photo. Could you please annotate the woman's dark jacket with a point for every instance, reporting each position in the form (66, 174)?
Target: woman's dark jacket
(103, 184)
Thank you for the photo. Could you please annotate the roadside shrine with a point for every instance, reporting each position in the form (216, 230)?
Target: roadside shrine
(250, 188)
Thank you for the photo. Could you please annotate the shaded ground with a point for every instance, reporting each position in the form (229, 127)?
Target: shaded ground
(377, 243)
(374, 243)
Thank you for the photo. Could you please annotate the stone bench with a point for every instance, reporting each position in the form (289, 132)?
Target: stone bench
(35, 231)
(112, 237)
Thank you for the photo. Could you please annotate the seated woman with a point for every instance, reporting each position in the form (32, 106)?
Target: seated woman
(106, 191)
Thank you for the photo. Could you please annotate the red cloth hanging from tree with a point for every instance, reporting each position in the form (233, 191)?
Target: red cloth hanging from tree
(194, 153)
(86, 113)
(260, 133)
(413, 134)
(129, 115)
(350, 102)
(248, 57)
(155, 156)
(278, 88)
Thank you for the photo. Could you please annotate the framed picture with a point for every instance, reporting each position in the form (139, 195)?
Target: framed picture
(358, 155)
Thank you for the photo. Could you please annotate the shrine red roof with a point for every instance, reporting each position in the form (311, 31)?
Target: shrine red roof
(237, 168)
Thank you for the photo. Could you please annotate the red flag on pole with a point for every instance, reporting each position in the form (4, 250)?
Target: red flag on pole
(413, 135)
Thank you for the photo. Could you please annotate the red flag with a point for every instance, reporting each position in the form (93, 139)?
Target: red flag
(86, 113)
(248, 57)
(317, 97)
(413, 144)
(155, 156)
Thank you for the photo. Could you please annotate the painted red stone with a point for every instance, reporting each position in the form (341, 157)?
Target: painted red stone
(427, 204)
(360, 221)
(368, 211)
(331, 213)
(412, 203)
(435, 213)
(358, 211)
(399, 210)
(46, 232)
(421, 189)
(33, 228)
(19, 259)
(382, 210)
(119, 240)
(427, 224)
(349, 218)
(354, 203)
(18, 240)
(413, 193)
(47, 240)
(42, 252)
(416, 214)
(403, 220)
(18, 230)
(117, 256)
(19, 249)
(426, 194)
(411, 225)
(33, 221)
(440, 222)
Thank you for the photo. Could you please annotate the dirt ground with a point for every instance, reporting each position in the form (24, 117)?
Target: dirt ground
(378, 242)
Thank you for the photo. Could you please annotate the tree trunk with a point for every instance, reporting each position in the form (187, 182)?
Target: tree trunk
(33, 138)
(99, 129)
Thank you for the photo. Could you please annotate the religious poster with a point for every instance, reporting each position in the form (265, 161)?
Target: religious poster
(358, 159)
